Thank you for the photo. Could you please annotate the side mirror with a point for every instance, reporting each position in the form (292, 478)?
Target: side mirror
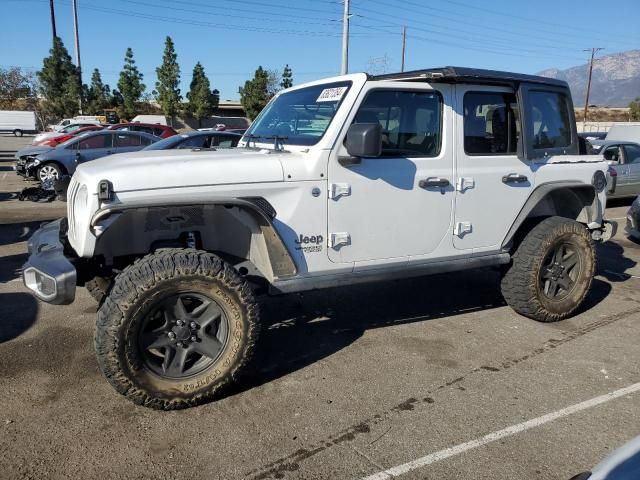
(364, 140)
(77, 157)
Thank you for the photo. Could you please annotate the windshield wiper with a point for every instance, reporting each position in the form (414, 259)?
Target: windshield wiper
(278, 144)
(250, 137)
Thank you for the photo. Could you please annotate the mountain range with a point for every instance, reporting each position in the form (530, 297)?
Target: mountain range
(615, 81)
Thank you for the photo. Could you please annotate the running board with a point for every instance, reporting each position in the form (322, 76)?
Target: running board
(300, 284)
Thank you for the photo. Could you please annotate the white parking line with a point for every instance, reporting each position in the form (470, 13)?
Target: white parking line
(621, 275)
(505, 432)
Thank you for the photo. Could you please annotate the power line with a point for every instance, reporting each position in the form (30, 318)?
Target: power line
(537, 20)
(515, 36)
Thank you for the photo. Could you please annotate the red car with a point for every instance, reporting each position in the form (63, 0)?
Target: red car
(156, 129)
(55, 141)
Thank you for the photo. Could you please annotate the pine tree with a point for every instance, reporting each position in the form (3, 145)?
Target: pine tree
(202, 101)
(287, 77)
(59, 82)
(130, 85)
(98, 95)
(254, 96)
(167, 92)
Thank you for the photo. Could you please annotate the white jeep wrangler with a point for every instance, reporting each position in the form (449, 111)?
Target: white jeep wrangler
(345, 180)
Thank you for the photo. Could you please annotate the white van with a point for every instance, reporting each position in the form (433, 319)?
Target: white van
(77, 119)
(17, 122)
(159, 119)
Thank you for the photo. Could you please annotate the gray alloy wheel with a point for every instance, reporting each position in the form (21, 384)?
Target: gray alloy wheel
(48, 172)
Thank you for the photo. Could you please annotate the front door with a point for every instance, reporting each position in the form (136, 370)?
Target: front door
(492, 183)
(399, 204)
(94, 146)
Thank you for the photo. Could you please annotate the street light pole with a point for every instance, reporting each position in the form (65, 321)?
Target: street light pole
(77, 38)
(345, 39)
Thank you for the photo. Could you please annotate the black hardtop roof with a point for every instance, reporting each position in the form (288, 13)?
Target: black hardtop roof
(469, 75)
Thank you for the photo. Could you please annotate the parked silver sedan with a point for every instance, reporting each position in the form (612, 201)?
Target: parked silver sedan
(624, 159)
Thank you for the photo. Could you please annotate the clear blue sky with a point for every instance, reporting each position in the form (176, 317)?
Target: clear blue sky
(232, 37)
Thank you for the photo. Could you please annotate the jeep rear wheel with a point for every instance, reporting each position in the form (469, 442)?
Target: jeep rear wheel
(176, 329)
(551, 270)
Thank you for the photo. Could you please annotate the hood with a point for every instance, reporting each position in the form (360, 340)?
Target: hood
(29, 151)
(145, 170)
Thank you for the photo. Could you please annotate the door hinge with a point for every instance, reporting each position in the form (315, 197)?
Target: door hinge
(465, 183)
(462, 228)
(337, 190)
(339, 238)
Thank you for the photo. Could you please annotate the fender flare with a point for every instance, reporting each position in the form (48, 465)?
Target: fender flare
(260, 209)
(543, 191)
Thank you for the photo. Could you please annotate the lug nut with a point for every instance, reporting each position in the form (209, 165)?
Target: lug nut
(171, 335)
(180, 344)
(180, 323)
(194, 338)
(193, 325)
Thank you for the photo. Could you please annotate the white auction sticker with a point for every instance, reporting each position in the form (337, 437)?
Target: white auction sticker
(331, 94)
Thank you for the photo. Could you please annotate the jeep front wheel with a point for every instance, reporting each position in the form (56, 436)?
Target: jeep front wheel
(551, 270)
(176, 328)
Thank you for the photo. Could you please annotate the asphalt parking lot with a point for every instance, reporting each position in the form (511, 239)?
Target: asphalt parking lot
(426, 375)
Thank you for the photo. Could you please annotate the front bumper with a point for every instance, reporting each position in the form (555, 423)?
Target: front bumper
(49, 273)
(25, 169)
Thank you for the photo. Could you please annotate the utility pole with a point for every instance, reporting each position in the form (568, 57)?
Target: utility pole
(404, 43)
(345, 39)
(586, 100)
(53, 19)
(75, 28)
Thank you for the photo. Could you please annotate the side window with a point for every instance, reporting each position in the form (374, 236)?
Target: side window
(411, 121)
(199, 141)
(148, 130)
(612, 153)
(158, 132)
(96, 141)
(491, 123)
(227, 142)
(145, 141)
(632, 154)
(549, 117)
(123, 140)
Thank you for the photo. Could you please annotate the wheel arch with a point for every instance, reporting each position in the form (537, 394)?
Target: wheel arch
(241, 228)
(575, 200)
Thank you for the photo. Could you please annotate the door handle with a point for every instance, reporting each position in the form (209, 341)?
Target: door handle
(434, 182)
(514, 178)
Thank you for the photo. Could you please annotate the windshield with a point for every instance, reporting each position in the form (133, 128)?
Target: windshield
(299, 117)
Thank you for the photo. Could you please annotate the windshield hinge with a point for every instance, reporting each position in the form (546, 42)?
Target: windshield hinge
(337, 190)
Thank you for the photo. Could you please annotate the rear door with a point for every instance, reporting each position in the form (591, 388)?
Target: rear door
(632, 165)
(492, 183)
(128, 142)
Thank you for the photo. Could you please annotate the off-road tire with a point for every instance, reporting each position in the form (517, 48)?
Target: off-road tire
(97, 287)
(145, 282)
(521, 282)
